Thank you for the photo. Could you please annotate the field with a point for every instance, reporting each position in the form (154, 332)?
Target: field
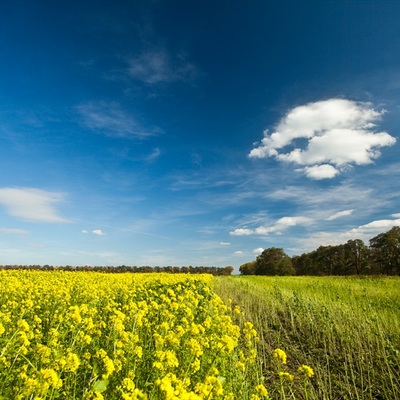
(88, 335)
(347, 329)
(91, 335)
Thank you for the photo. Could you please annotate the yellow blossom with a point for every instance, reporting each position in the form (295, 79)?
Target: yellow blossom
(280, 355)
(306, 370)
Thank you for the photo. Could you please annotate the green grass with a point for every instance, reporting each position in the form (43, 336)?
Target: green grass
(346, 329)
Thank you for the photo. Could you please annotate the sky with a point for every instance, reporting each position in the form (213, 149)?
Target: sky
(195, 132)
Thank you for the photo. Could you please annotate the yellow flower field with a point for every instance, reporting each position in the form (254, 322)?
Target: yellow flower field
(88, 335)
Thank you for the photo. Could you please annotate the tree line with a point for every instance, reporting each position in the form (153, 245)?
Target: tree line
(382, 256)
(127, 268)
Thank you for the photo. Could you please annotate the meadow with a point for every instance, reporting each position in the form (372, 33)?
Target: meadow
(92, 335)
(346, 328)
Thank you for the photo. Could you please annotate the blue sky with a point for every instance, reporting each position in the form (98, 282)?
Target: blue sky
(195, 132)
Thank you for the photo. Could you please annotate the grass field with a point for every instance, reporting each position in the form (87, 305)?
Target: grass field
(347, 329)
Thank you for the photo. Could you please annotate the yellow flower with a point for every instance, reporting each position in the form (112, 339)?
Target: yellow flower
(306, 370)
(23, 325)
(286, 375)
(72, 362)
(261, 390)
(280, 355)
(51, 378)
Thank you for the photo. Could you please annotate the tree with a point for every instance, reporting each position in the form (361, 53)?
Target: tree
(356, 256)
(248, 268)
(274, 261)
(385, 251)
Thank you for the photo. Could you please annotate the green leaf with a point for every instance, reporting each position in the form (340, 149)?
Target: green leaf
(100, 386)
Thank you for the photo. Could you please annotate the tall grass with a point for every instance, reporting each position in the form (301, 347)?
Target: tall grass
(347, 329)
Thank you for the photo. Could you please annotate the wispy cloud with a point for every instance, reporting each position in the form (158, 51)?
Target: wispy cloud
(159, 67)
(339, 214)
(111, 120)
(32, 204)
(278, 227)
(153, 155)
(14, 231)
(338, 134)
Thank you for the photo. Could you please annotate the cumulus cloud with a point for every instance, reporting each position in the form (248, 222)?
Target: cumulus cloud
(325, 137)
(259, 250)
(241, 232)
(239, 253)
(111, 120)
(32, 204)
(339, 214)
(317, 172)
(224, 243)
(98, 232)
(278, 227)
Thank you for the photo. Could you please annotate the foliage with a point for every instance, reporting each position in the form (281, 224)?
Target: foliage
(248, 268)
(274, 261)
(385, 249)
(350, 258)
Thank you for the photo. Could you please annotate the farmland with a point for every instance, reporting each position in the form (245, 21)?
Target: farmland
(347, 329)
(88, 335)
(92, 335)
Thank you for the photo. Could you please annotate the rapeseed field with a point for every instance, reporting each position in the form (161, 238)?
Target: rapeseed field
(89, 335)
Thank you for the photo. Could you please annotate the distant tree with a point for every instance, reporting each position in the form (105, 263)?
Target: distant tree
(385, 251)
(227, 270)
(248, 268)
(274, 261)
(356, 257)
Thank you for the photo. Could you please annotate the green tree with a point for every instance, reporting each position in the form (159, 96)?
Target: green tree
(356, 256)
(248, 268)
(274, 261)
(385, 251)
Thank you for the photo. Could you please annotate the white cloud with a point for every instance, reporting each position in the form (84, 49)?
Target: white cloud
(14, 231)
(32, 204)
(224, 243)
(259, 250)
(239, 253)
(278, 227)
(317, 172)
(397, 215)
(241, 232)
(338, 132)
(111, 120)
(84, 231)
(158, 67)
(375, 227)
(339, 214)
(98, 232)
